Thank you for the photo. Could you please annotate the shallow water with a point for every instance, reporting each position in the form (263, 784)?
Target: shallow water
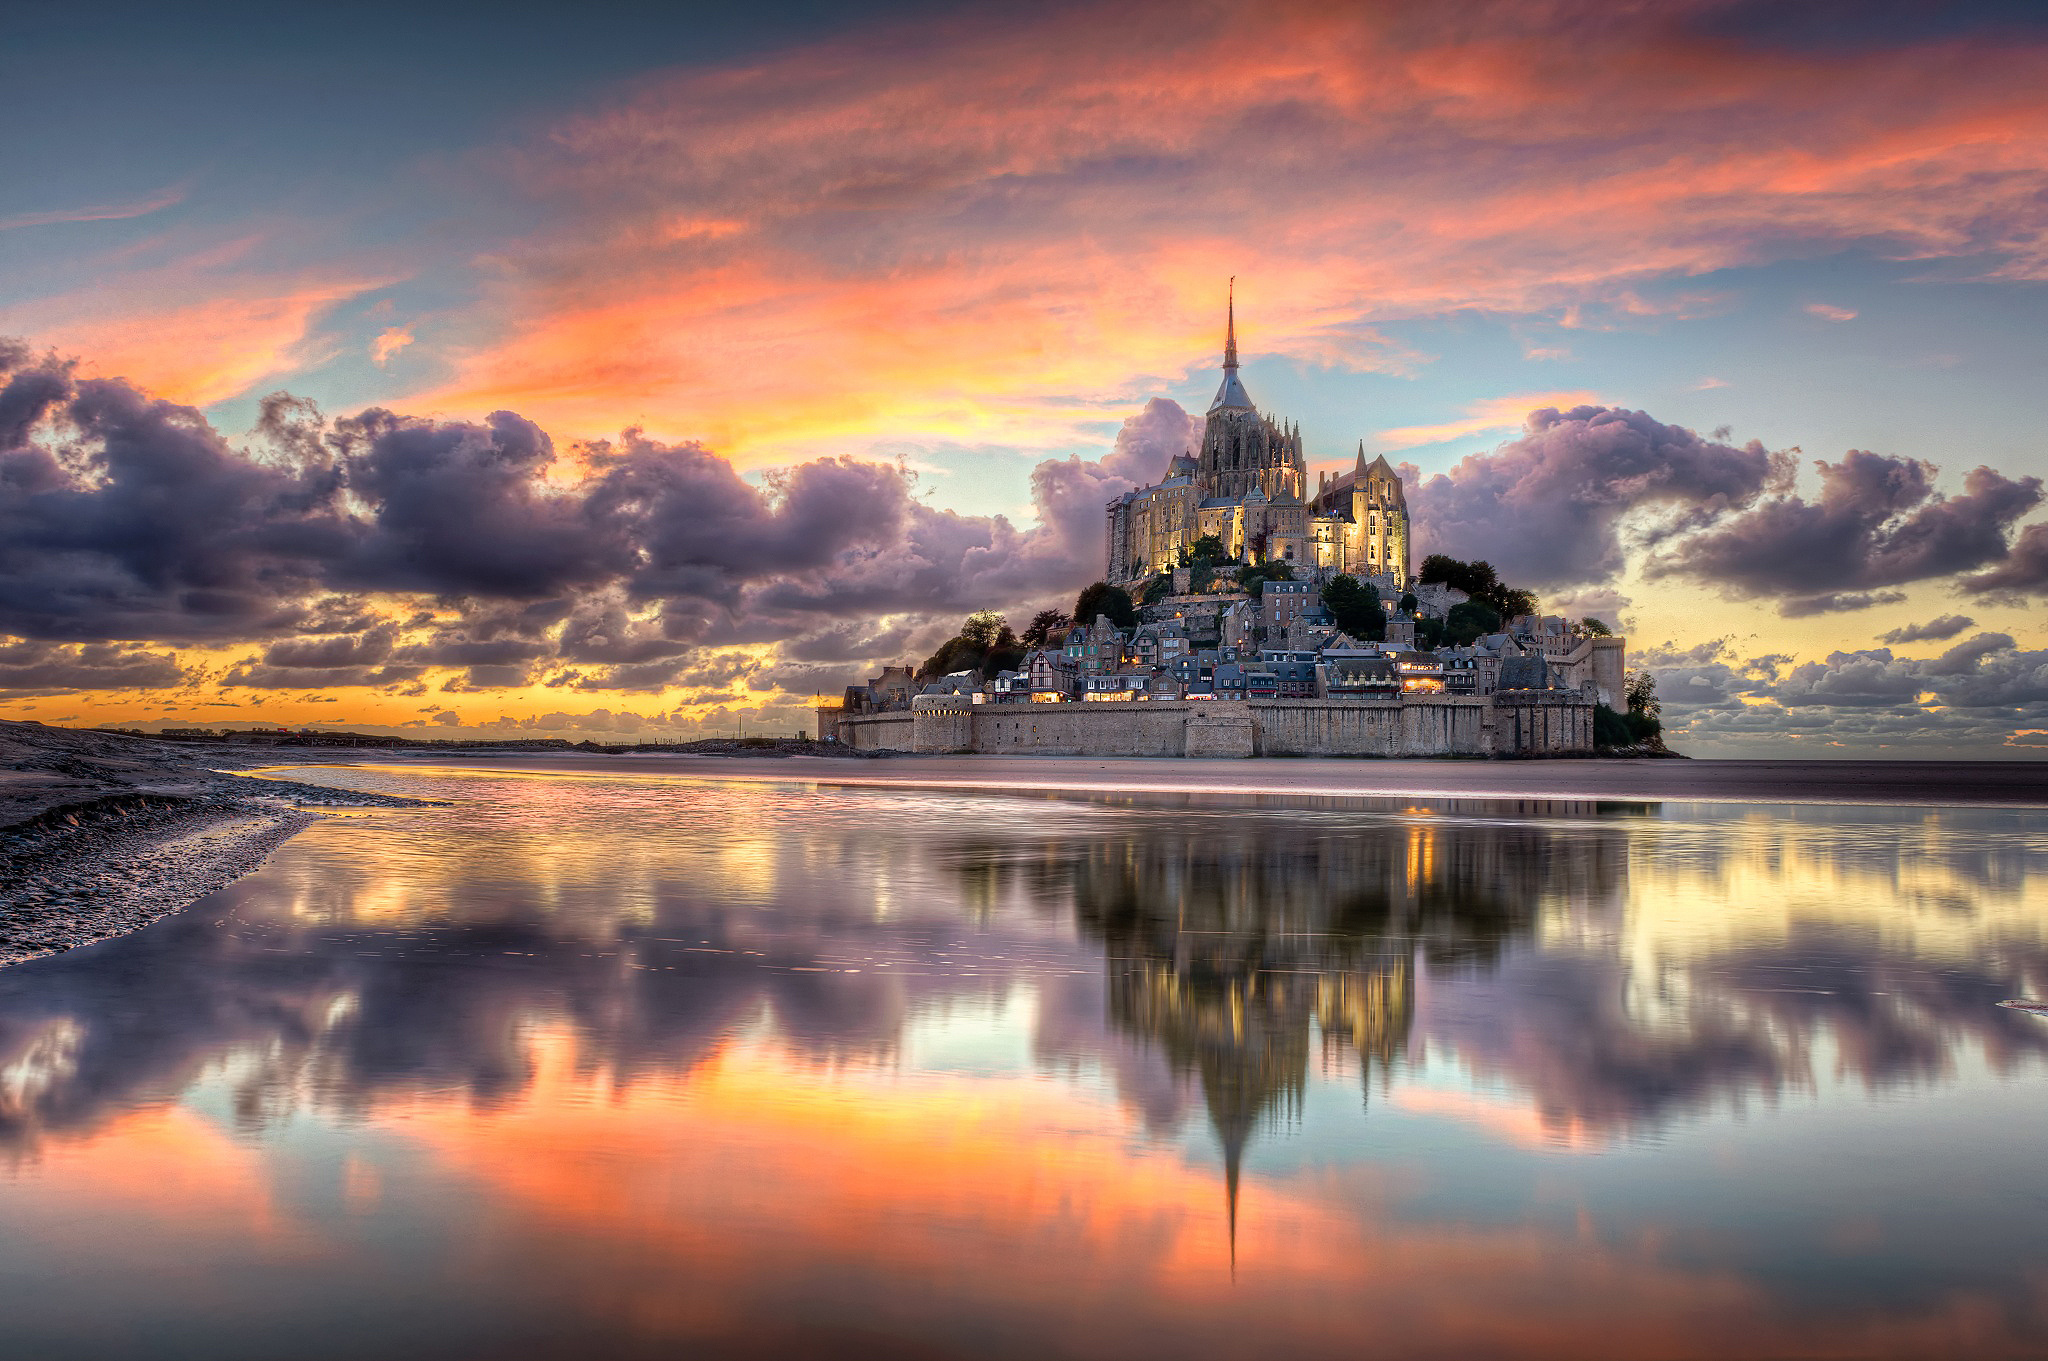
(626, 1061)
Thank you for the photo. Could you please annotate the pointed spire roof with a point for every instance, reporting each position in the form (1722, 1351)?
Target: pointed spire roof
(1231, 395)
(1358, 468)
(1230, 326)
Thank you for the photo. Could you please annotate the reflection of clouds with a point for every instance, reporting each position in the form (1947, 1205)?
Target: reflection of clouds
(610, 1081)
(1618, 968)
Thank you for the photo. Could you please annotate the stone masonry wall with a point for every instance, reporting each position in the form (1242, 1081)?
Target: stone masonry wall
(1525, 723)
(1438, 726)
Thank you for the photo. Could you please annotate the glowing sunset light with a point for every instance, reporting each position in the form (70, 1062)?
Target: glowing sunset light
(978, 250)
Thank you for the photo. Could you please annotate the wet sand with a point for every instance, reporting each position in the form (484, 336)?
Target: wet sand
(102, 834)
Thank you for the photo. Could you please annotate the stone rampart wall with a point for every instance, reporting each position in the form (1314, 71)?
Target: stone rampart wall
(1542, 723)
(1438, 726)
(1117, 729)
(1550, 723)
(876, 732)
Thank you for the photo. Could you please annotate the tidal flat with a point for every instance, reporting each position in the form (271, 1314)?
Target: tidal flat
(645, 1056)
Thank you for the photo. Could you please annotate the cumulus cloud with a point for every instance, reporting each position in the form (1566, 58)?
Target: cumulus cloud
(1985, 692)
(138, 521)
(1071, 493)
(123, 518)
(1877, 522)
(389, 552)
(1548, 508)
(2023, 572)
(1934, 630)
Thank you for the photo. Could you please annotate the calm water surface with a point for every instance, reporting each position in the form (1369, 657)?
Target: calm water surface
(617, 1064)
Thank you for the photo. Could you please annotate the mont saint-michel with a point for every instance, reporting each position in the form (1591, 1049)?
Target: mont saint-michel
(1241, 613)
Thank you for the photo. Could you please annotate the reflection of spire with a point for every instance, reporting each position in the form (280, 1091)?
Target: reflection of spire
(1233, 1154)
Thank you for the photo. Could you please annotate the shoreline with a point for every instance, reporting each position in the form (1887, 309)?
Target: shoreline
(1894, 784)
(102, 834)
(64, 892)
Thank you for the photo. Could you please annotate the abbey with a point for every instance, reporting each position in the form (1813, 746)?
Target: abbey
(1249, 488)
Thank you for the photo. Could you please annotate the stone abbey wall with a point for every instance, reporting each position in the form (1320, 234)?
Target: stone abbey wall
(1539, 723)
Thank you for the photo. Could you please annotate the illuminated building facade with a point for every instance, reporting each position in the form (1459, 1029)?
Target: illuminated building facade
(1248, 488)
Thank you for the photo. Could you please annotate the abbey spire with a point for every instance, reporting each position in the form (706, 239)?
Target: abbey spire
(1230, 326)
(1231, 396)
(1248, 488)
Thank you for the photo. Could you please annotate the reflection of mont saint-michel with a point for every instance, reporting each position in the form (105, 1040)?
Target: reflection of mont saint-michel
(1237, 947)
(1218, 667)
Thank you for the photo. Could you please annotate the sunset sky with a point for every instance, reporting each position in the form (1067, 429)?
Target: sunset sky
(647, 365)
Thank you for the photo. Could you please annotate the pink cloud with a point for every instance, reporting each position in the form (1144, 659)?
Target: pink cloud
(930, 232)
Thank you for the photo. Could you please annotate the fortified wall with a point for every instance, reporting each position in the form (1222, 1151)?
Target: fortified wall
(1511, 723)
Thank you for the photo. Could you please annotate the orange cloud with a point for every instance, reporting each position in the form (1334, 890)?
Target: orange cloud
(190, 351)
(1495, 413)
(692, 1207)
(999, 229)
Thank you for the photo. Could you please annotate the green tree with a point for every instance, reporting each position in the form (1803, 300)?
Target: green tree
(985, 643)
(1408, 603)
(1045, 629)
(1355, 605)
(1254, 576)
(1641, 689)
(1611, 729)
(1478, 580)
(1103, 598)
(982, 629)
(1006, 653)
(1645, 713)
(1467, 621)
(1156, 590)
(1201, 558)
(1590, 627)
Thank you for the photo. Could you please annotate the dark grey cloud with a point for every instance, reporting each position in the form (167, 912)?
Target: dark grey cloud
(1547, 508)
(133, 519)
(1836, 602)
(2023, 572)
(125, 518)
(37, 668)
(364, 649)
(1877, 522)
(702, 531)
(1933, 631)
(1985, 692)
(460, 509)
(371, 551)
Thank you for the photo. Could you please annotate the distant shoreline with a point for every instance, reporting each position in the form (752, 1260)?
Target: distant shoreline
(102, 834)
(1897, 784)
